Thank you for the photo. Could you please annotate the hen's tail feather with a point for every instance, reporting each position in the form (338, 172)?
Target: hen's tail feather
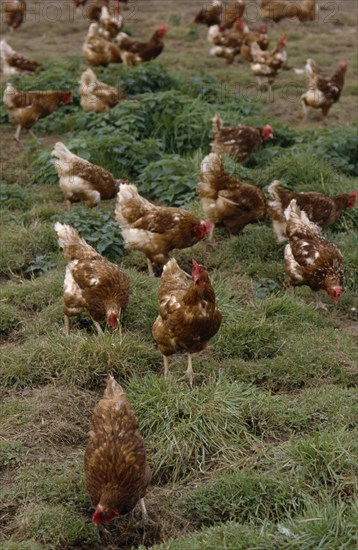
(5, 49)
(298, 224)
(273, 189)
(62, 153)
(130, 205)
(211, 167)
(74, 247)
(113, 389)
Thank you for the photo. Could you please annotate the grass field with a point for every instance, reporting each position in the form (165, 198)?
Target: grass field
(263, 451)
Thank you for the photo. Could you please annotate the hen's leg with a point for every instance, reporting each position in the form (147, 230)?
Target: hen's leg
(304, 110)
(211, 233)
(145, 517)
(166, 366)
(98, 327)
(189, 373)
(68, 204)
(32, 134)
(67, 324)
(150, 268)
(319, 304)
(17, 133)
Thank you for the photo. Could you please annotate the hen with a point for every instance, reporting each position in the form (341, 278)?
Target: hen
(231, 13)
(323, 92)
(26, 108)
(217, 14)
(116, 470)
(97, 96)
(14, 11)
(268, 64)
(227, 43)
(110, 26)
(156, 230)
(82, 181)
(261, 39)
(134, 52)
(320, 209)
(309, 258)
(99, 51)
(92, 283)
(276, 10)
(93, 8)
(14, 63)
(227, 201)
(188, 315)
(238, 141)
(210, 14)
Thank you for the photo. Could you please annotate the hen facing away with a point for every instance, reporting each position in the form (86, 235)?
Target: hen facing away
(14, 63)
(99, 51)
(116, 470)
(92, 283)
(323, 92)
(238, 141)
(321, 209)
(310, 259)
(267, 64)
(227, 201)
(26, 108)
(97, 96)
(188, 315)
(82, 181)
(156, 230)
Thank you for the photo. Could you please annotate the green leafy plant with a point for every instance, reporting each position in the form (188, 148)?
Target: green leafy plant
(171, 180)
(41, 264)
(98, 229)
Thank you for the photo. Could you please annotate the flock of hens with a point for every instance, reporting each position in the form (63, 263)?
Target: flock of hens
(116, 468)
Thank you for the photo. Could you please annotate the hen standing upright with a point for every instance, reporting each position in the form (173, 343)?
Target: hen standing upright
(309, 258)
(26, 108)
(116, 470)
(268, 64)
(134, 52)
(227, 201)
(80, 180)
(188, 315)
(14, 13)
(92, 283)
(320, 209)
(238, 141)
(156, 230)
(322, 92)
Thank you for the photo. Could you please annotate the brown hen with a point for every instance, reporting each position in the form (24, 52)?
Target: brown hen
(26, 108)
(323, 92)
(14, 11)
(188, 315)
(238, 141)
(321, 209)
(310, 259)
(92, 283)
(227, 201)
(156, 230)
(80, 180)
(116, 470)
